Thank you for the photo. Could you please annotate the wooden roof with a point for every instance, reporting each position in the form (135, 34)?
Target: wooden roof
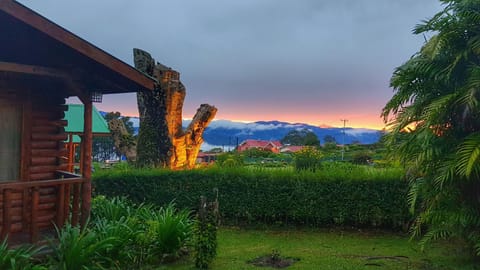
(74, 116)
(33, 45)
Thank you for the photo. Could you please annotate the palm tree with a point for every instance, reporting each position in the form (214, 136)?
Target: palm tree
(434, 118)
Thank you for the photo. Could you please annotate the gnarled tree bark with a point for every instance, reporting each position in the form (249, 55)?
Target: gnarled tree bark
(123, 141)
(162, 140)
(153, 143)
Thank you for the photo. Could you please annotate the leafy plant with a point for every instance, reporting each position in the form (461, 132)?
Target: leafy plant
(205, 232)
(111, 209)
(19, 258)
(122, 235)
(80, 249)
(167, 230)
(308, 158)
(140, 234)
(229, 160)
(363, 158)
(435, 124)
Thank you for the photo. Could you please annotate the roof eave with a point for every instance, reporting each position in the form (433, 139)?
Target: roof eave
(82, 46)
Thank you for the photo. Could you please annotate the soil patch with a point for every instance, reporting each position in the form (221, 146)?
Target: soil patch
(273, 260)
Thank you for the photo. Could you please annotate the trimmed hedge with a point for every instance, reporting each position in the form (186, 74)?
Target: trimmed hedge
(370, 198)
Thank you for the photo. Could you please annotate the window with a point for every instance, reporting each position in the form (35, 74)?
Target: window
(10, 140)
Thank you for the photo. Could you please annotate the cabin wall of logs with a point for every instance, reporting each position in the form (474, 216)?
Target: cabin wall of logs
(43, 195)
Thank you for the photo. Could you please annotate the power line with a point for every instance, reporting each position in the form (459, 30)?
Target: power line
(343, 142)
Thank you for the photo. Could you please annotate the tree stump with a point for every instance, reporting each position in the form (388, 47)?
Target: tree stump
(162, 140)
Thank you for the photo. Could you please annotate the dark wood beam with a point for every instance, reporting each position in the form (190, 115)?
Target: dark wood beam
(72, 82)
(76, 89)
(33, 70)
(87, 162)
(60, 34)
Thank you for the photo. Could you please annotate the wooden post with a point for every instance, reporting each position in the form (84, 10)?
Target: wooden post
(71, 153)
(7, 205)
(87, 162)
(61, 206)
(34, 215)
(76, 203)
(26, 137)
(25, 160)
(66, 213)
(82, 154)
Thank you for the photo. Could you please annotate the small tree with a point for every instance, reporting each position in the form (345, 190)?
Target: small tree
(435, 124)
(301, 137)
(125, 119)
(308, 158)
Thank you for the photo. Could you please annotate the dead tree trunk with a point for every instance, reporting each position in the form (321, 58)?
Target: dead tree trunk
(123, 141)
(153, 143)
(177, 148)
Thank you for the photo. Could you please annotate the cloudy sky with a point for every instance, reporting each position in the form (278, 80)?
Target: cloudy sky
(311, 61)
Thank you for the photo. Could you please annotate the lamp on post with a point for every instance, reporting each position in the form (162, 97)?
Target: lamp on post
(96, 96)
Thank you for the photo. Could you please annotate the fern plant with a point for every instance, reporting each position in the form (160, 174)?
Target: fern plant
(19, 258)
(434, 117)
(79, 249)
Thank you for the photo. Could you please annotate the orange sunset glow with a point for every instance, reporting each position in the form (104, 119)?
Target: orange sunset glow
(364, 117)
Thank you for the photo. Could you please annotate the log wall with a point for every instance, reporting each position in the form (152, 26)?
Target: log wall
(37, 201)
(47, 138)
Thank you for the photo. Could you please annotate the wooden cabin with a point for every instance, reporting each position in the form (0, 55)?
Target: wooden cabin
(42, 64)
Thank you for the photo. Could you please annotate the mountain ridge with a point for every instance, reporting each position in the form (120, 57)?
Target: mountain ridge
(227, 133)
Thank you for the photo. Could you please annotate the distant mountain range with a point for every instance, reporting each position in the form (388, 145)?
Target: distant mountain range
(226, 133)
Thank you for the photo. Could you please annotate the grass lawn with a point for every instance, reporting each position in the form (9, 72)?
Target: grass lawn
(336, 249)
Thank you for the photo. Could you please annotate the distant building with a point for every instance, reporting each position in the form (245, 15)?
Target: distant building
(272, 146)
(206, 157)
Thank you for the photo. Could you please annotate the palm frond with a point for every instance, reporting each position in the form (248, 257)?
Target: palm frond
(468, 163)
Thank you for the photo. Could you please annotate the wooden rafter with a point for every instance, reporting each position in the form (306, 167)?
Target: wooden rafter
(68, 79)
(33, 70)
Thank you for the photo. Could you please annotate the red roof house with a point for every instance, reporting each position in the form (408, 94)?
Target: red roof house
(272, 146)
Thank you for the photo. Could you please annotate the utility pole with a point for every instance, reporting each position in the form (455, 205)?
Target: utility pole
(343, 142)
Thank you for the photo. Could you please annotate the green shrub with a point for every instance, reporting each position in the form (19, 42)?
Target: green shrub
(205, 232)
(141, 234)
(17, 259)
(307, 159)
(111, 209)
(362, 158)
(229, 160)
(79, 249)
(339, 193)
(167, 231)
(122, 235)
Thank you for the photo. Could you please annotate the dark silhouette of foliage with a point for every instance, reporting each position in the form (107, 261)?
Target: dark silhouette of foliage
(301, 137)
(329, 139)
(125, 119)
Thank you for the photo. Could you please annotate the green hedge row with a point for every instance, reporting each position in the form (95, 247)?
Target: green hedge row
(269, 196)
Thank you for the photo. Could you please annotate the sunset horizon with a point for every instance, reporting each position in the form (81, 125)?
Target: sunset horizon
(354, 121)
